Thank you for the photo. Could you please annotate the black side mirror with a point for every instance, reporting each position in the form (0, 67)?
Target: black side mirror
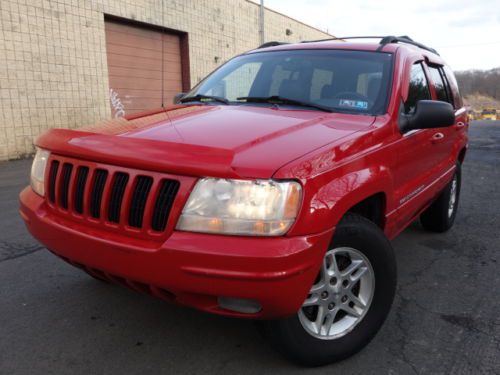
(178, 97)
(428, 114)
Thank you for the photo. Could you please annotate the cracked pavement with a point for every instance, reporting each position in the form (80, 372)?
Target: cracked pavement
(445, 318)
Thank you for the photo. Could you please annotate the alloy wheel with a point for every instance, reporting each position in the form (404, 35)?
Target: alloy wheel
(453, 196)
(340, 296)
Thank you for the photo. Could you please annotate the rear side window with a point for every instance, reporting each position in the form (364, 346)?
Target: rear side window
(439, 84)
(419, 88)
(457, 99)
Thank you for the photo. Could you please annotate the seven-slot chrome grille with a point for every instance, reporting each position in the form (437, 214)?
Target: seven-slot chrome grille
(120, 197)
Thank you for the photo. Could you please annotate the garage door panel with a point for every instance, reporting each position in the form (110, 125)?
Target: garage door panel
(169, 83)
(138, 103)
(153, 95)
(138, 52)
(132, 40)
(145, 67)
(132, 30)
(134, 62)
(135, 83)
(175, 59)
(169, 93)
(125, 72)
(172, 83)
(140, 49)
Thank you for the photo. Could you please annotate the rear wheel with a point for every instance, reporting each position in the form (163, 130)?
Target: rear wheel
(348, 301)
(440, 216)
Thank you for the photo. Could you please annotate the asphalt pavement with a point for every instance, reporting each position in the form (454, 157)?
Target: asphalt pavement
(445, 319)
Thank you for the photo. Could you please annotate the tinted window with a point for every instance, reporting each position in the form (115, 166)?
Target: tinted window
(419, 89)
(439, 84)
(345, 81)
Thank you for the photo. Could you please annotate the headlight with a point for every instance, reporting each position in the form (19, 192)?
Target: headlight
(240, 207)
(38, 171)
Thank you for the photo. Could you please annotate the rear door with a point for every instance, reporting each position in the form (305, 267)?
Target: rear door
(461, 117)
(442, 138)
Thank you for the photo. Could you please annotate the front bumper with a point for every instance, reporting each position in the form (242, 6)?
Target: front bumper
(188, 268)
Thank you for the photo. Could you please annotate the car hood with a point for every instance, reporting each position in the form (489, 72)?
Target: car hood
(225, 141)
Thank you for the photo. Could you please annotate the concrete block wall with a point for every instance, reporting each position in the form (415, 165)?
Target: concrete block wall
(53, 65)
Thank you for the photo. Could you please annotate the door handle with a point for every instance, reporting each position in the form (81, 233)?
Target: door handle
(460, 125)
(437, 137)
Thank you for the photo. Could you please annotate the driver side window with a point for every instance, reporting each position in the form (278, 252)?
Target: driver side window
(419, 88)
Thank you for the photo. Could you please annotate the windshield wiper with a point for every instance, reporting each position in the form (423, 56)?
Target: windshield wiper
(201, 98)
(275, 99)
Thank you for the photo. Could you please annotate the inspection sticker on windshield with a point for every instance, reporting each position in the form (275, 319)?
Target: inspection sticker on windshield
(358, 104)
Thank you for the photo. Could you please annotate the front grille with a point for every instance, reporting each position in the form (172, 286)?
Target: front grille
(163, 205)
(97, 190)
(116, 198)
(65, 178)
(54, 167)
(81, 181)
(138, 204)
(107, 194)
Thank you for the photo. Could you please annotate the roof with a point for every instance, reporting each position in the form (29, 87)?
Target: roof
(384, 41)
(354, 46)
(331, 44)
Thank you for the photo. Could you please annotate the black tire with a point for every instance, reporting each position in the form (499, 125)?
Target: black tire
(289, 336)
(436, 217)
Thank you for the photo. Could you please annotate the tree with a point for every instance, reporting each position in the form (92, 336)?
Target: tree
(483, 82)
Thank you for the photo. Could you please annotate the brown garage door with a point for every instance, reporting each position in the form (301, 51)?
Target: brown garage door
(145, 67)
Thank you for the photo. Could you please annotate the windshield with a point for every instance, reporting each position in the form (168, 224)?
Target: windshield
(341, 80)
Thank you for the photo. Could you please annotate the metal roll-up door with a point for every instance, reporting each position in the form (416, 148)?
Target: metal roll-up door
(144, 65)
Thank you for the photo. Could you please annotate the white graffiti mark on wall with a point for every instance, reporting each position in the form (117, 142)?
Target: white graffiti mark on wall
(116, 104)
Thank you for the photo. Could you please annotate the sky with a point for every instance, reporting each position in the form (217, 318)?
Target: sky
(466, 33)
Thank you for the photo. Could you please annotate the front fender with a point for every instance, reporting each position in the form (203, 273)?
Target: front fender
(328, 197)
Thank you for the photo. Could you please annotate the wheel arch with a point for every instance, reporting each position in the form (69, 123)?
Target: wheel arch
(372, 208)
(365, 192)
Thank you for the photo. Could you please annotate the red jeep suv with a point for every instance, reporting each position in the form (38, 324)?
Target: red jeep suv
(270, 191)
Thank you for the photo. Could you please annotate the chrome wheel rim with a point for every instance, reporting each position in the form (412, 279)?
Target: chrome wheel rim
(340, 296)
(453, 197)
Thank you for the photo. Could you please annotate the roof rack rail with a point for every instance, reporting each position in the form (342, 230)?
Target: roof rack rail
(343, 38)
(384, 40)
(271, 44)
(404, 39)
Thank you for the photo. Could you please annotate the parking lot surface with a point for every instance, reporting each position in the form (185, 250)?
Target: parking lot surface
(445, 319)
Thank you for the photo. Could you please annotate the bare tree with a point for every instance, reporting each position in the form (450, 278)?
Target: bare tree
(483, 82)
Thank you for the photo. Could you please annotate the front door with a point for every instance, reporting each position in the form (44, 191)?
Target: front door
(414, 165)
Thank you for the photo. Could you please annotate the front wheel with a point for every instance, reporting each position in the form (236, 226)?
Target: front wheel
(348, 301)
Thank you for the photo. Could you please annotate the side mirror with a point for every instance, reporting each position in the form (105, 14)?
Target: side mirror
(178, 97)
(428, 114)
